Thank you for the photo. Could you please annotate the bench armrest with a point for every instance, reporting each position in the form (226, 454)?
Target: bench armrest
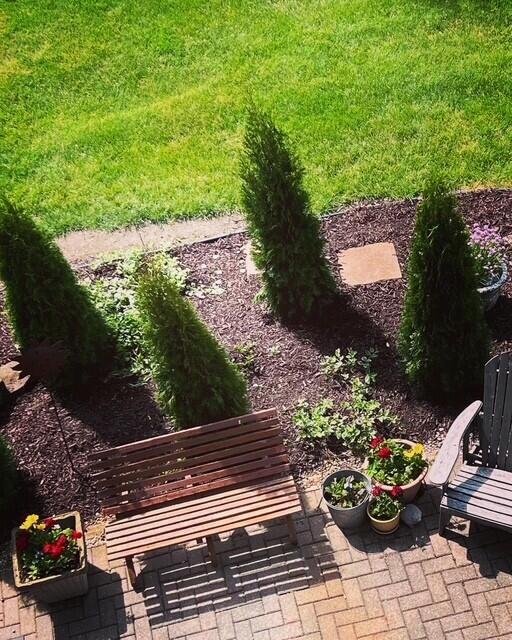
(448, 453)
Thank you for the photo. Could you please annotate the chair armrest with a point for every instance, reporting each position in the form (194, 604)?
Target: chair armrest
(448, 453)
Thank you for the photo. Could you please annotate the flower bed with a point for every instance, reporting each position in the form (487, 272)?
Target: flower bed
(285, 363)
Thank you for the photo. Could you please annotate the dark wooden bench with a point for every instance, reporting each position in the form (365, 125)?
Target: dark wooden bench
(194, 484)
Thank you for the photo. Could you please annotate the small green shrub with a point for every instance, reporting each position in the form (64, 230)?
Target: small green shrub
(10, 480)
(342, 367)
(444, 340)
(285, 234)
(246, 356)
(317, 421)
(44, 299)
(197, 383)
(115, 299)
(362, 417)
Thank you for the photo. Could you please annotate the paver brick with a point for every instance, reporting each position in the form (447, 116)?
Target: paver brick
(480, 608)
(480, 632)
(415, 600)
(436, 611)
(371, 627)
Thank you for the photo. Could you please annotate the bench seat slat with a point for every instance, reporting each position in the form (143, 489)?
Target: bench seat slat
(219, 522)
(228, 481)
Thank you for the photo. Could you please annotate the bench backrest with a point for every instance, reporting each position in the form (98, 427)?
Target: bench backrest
(188, 462)
(496, 429)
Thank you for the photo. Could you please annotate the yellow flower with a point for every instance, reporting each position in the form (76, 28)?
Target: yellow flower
(41, 526)
(408, 453)
(418, 449)
(29, 521)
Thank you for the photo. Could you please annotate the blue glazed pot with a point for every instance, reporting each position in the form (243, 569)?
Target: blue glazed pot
(490, 294)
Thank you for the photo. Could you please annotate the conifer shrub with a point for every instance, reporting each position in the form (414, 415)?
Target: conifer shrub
(9, 479)
(44, 299)
(196, 381)
(444, 340)
(285, 234)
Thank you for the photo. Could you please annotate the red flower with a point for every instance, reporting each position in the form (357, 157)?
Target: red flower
(49, 522)
(377, 491)
(396, 492)
(22, 542)
(47, 548)
(376, 441)
(61, 541)
(385, 452)
(76, 535)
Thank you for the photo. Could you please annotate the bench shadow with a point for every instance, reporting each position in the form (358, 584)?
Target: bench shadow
(254, 564)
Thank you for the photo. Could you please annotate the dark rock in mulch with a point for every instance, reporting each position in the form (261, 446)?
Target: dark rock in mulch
(286, 368)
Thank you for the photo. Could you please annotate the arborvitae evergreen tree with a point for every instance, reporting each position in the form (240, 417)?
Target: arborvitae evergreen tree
(285, 234)
(44, 299)
(197, 383)
(444, 339)
(9, 479)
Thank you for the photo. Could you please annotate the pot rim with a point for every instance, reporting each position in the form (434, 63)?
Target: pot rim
(345, 472)
(377, 519)
(412, 483)
(16, 560)
(499, 283)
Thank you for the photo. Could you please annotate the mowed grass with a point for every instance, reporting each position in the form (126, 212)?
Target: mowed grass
(118, 111)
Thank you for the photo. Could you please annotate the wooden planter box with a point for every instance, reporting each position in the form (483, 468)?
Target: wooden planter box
(60, 587)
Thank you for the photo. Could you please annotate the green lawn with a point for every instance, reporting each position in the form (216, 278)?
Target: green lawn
(118, 111)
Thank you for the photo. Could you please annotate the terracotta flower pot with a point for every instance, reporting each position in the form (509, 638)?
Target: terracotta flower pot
(384, 527)
(411, 489)
(59, 587)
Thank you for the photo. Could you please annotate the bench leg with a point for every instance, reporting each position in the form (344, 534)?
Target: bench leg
(444, 519)
(131, 571)
(211, 550)
(291, 529)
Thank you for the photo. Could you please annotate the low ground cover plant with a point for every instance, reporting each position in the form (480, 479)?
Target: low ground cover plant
(385, 505)
(346, 492)
(489, 250)
(44, 300)
(444, 340)
(45, 548)
(197, 383)
(285, 234)
(343, 366)
(114, 296)
(394, 463)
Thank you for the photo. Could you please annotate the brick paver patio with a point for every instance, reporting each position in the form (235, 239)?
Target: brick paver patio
(411, 585)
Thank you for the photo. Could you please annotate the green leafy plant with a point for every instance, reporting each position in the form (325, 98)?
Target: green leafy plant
(395, 463)
(286, 242)
(362, 417)
(45, 548)
(444, 339)
(246, 356)
(343, 366)
(316, 421)
(44, 300)
(346, 492)
(114, 296)
(10, 479)
(385, 505)
(197, 383)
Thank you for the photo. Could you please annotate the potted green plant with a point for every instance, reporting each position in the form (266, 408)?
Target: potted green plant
(384, 509)
(346, 494)
(397, 462)
(49, 557)
(489, 251)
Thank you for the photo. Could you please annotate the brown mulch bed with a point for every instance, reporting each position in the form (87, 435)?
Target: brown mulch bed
(287, 361)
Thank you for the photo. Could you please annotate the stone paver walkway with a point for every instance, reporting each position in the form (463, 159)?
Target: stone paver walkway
(409, 586)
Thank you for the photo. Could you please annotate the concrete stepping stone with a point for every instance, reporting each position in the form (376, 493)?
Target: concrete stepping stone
(250, 268)
(11, 378)
(369, 263)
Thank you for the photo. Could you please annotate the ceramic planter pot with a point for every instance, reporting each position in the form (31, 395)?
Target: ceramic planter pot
(384, 527)
(355, 516)
(411, 489)
(59, 587)
(490, 294)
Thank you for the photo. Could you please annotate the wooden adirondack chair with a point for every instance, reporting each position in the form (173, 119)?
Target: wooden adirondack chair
(482, 488)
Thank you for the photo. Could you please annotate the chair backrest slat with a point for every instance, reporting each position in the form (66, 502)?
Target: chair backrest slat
(496, 435)
(191, 461)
